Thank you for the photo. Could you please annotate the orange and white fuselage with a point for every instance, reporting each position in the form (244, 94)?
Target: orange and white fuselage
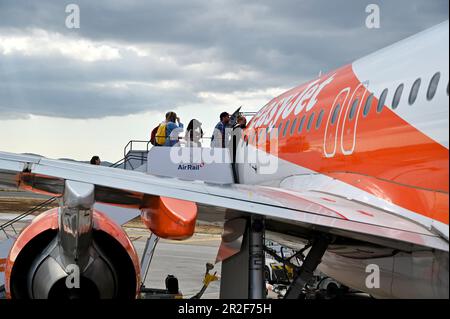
(335, 135)
(360, 154)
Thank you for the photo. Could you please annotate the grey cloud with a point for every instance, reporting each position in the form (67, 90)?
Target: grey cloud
(283, 42)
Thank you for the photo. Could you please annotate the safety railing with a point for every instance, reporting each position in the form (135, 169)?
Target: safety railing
(10, 223)
(129, 146)
(128, 160)
(145, 146)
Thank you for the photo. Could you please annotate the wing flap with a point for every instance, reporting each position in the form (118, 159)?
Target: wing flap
(119, 187)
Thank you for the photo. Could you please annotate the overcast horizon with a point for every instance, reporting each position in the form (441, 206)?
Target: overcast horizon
(74, 93)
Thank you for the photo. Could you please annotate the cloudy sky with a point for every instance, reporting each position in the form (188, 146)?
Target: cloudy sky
(78, 92)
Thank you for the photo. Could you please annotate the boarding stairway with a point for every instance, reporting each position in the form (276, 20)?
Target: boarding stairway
(134, 155)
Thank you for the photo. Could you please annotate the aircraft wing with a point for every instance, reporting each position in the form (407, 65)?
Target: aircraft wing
(288, 210)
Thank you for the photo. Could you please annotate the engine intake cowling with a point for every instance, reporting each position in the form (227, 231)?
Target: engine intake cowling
(36, 267)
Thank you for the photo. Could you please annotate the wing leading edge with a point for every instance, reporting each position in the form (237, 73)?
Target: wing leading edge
(130, 189)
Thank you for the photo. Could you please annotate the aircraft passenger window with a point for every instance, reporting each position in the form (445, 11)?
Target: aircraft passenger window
(335, 114)
(433, 86)
(368, 105)
(397, 96)
(302, 122)
(353, 109)
(382, 100)
(285, 128)
(414, 91)
(311, 120)
(319, 119)
(279, 128)
(293, 126)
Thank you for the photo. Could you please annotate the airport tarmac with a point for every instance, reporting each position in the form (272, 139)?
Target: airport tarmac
(12, 193)
(185, 260)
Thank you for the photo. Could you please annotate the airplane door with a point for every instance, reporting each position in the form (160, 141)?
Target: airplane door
(333, 123)
(350, 119)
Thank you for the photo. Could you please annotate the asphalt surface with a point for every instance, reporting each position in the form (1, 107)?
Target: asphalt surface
(20, 194)
(186, 261)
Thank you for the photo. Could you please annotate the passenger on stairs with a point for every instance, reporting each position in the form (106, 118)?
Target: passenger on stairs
(173, 128)
(194, 133)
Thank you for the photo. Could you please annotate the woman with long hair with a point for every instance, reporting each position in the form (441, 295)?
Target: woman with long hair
(194, 133)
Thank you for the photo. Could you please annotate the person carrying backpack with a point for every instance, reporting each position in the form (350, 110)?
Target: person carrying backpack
(172, 129)
(159, 134)
(153, 136)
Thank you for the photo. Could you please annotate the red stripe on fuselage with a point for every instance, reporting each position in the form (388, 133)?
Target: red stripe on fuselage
(391, 159)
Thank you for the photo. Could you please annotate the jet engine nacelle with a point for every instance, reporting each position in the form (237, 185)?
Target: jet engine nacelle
(36, 267)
